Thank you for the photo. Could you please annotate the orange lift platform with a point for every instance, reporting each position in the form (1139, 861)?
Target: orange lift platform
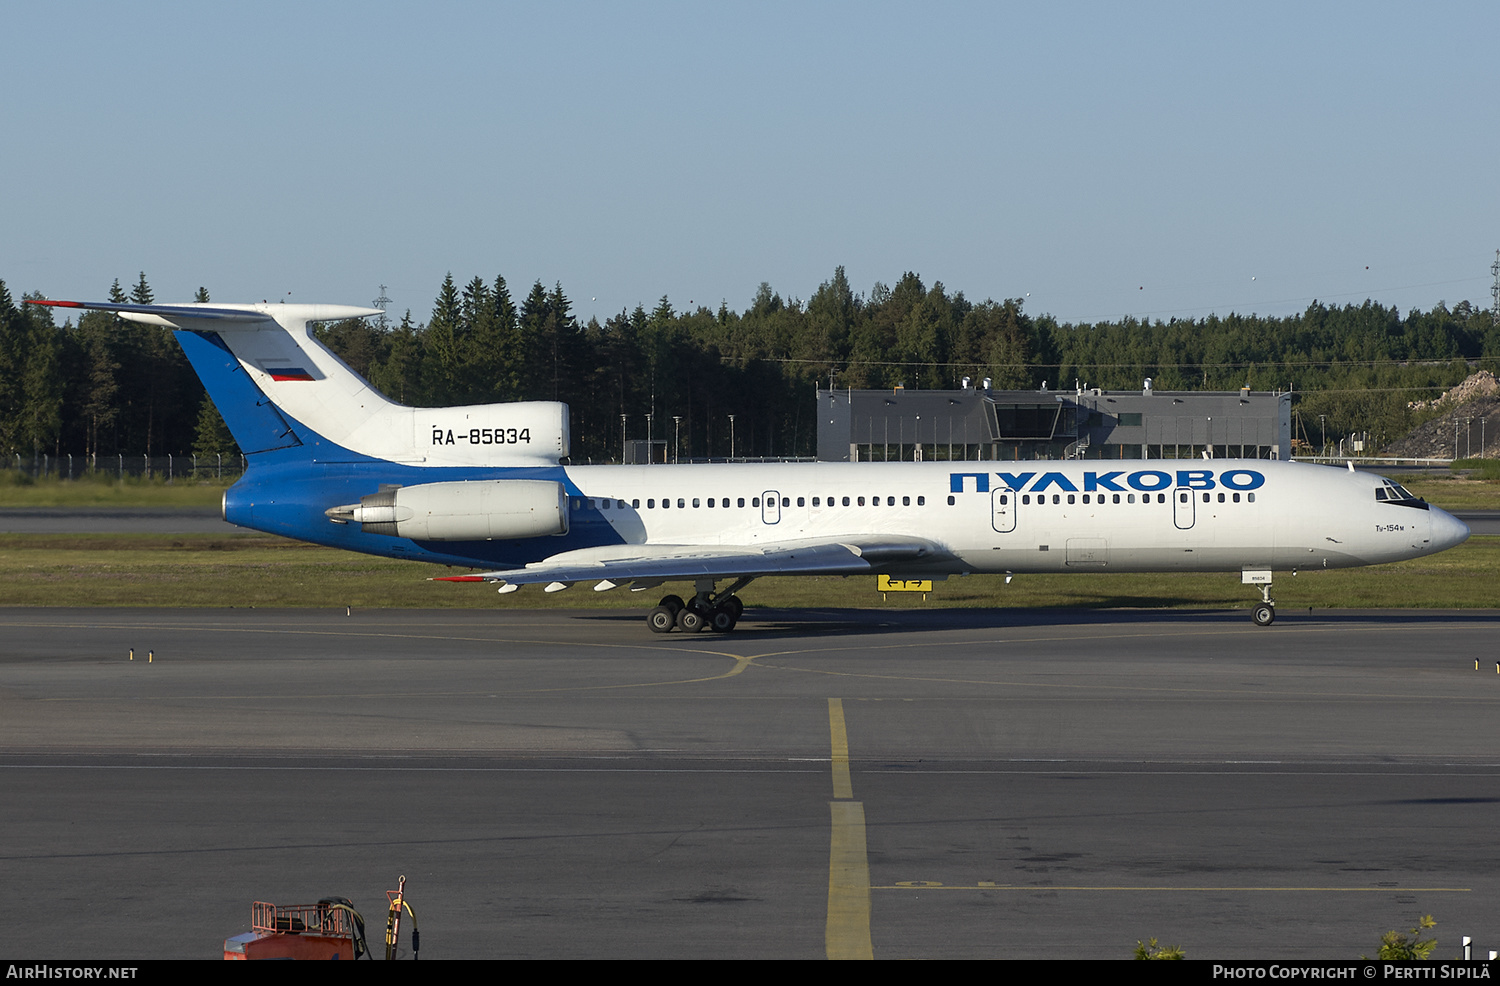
(331, 929)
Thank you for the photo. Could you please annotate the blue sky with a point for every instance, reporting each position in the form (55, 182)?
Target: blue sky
(1097, 159)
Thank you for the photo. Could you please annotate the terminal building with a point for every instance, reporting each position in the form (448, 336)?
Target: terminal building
(976, 423)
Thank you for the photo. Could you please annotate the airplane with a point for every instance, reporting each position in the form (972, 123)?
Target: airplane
(332, 461)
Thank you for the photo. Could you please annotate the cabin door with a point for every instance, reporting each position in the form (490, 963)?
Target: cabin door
(1003, 510)
(1182, 509)
(770, 507)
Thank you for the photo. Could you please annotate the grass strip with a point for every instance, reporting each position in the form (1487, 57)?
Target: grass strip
(259, 570)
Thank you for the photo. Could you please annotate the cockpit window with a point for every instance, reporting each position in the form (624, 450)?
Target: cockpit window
(1398, 494)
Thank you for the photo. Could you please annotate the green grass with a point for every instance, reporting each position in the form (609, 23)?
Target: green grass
(258, 570)
(1478, 468)
(1454, 492)
(105, 490)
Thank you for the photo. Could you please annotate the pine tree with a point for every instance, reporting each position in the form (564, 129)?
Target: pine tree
(213, 437)
(12, 333)
(141, 293)
(441, 340)
(41, 380)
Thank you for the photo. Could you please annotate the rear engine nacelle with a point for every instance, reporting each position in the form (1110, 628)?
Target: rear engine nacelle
(484, 510)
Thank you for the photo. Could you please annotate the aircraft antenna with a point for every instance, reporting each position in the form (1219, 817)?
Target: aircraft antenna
(382, 301)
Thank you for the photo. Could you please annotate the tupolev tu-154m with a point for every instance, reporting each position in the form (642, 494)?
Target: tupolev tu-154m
(333, 462)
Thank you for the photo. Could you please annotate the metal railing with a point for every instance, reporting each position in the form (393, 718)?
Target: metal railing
(164, 467)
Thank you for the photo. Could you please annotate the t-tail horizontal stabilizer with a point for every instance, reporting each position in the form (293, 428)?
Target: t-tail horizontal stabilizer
(278, 387)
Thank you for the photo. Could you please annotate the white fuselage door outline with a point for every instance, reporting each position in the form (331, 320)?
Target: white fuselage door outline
(770, 507)
(1183, 508)
(1003, 510)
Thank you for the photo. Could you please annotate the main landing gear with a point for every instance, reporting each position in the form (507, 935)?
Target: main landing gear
(707, 610)
(1264, 613)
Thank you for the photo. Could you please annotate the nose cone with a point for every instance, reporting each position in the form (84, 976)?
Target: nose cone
(1447, 530)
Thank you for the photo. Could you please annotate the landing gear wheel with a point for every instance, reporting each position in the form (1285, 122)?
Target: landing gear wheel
(1264, 614)
(674, 603)
(661, 619)
(689, 620)
(723, 619)
(735, 605)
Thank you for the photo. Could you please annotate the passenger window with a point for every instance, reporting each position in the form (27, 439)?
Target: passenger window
(786, 501)
(1205, 498)
(1250, 497)
(861, 501)
(1004, 499)
(634, 504)
(755, 501)
(1070, 498)
(1182, 498)
(815, 501)
(1221, 497)
(1129, 498)
(695, 503)
(801, 502)
(1236, 498)
(650, 504)
(921, 501)
(1161, 498)
(950, 501)
(1026, 499)
(710, 502)
(679, 503)
(666, 504)
(1056, 498)
(906, 501)
(742, 502)
(846, 500)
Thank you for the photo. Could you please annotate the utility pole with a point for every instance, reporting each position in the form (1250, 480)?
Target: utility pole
(731, 438)
(382, 301)
(676, 437)
(1495, 290)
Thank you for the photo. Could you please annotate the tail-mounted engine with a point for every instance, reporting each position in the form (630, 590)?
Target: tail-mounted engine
(484, 510)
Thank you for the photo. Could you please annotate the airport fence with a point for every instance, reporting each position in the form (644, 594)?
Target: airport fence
(150, 467)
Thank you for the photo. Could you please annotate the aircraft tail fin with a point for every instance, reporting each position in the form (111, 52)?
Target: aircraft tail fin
(279, 387)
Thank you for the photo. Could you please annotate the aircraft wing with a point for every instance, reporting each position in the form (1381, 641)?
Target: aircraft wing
(653, 564)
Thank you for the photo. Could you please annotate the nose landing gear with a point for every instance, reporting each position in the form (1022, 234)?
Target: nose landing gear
(1264, 613)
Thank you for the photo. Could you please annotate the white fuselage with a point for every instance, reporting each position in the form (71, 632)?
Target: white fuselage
(1126, 515)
